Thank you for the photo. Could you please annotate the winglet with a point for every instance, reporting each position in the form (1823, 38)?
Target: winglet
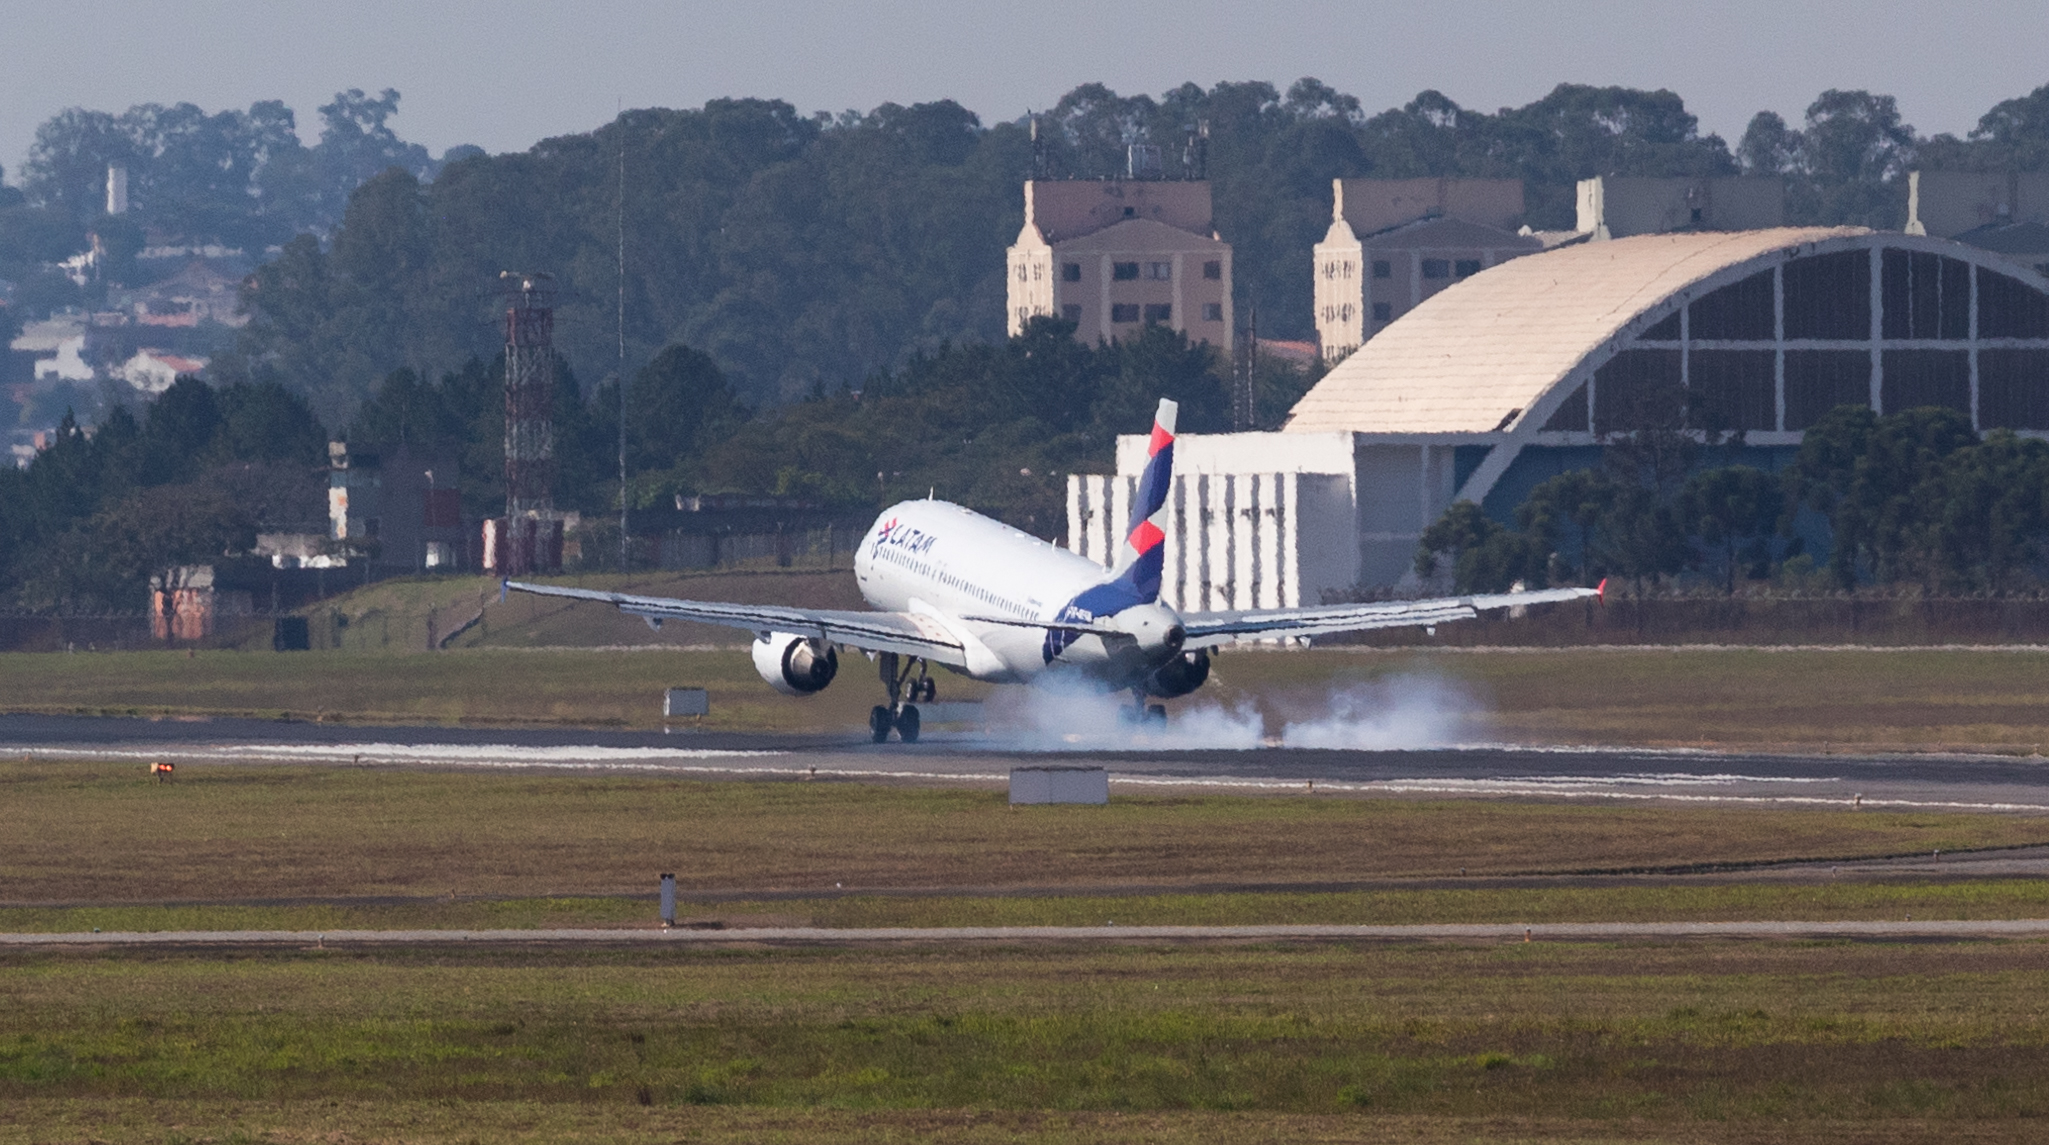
(504, 586)
(1601, 591)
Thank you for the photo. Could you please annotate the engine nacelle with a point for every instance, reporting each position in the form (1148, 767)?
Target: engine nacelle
(795, 665)
(1179, 676)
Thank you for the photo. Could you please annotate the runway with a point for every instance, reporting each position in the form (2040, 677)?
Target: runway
(1135, 763)
(1905, 930)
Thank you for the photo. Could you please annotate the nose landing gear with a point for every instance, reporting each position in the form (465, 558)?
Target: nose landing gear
(900, 713)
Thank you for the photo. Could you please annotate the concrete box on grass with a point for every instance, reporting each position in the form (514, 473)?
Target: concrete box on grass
(1059, 783)
(686, 702)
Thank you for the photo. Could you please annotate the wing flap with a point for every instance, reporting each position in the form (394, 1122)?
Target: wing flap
(1209, 629)
(869, 631)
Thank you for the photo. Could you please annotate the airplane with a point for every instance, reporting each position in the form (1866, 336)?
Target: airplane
(955, 589)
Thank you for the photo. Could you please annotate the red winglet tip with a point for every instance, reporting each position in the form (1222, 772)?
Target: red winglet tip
(1601, 591)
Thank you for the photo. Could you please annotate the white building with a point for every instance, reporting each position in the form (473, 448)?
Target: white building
(1513, 376)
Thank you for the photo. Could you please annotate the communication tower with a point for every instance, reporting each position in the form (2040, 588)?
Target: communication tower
(529, 393)
(529, 537)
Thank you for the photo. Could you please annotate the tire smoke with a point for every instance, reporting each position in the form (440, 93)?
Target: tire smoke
(1398, 713)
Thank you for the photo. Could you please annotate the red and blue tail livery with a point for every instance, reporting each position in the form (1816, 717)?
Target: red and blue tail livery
(1140, 565)
(1145, 546)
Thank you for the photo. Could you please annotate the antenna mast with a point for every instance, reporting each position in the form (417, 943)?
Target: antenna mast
(619, 370)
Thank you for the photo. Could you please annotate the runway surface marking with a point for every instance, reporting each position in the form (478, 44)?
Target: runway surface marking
(1582, 787)
(1579, 931)
(1723, 788)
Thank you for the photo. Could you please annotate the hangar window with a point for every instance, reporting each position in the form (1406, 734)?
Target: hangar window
(1732, 390)
(1212, 312)
(2013, 389)
(1925, 295)
(1383, 268)
(1436, 268)
(1828, 296)
(1571, 414)
(1465, 267)
(1214, 268)
(1383, 312)
(1666, 330)
(1159, 271)
(1070, 272)
(1915, 378)
(1739, 312)
(1159, 312)
(1638, 389)
(1124, 271)
(1818, 381)
(2010, 308)
(1124, 312)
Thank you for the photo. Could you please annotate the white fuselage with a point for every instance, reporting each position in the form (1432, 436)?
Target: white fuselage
(937, 560)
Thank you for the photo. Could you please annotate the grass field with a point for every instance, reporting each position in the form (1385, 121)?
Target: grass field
(1704, 1041)
(94, 833)
(1514, 1042)
(1730, 698)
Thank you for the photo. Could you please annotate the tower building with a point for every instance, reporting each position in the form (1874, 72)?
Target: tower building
(1114, 256)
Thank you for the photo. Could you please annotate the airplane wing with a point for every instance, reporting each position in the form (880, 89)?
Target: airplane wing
(903, 632)
(1209, 629)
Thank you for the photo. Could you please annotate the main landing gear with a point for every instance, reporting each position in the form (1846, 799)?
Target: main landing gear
(904, 689)
(1143, 713)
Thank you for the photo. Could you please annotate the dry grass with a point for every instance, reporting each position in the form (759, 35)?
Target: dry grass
(1534, 903)
(98, 832)
(122, 1121)
(1516, 1042)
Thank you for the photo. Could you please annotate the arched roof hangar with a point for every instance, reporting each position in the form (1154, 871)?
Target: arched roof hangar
(1753, 331)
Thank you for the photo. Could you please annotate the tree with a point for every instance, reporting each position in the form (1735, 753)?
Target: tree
(678, 404)
(265, 422)
(1989, 516)
(1732, 510)
(1486, 556)
(1852, 162)
(106, 564)
(1871, 477)
(1578, 500)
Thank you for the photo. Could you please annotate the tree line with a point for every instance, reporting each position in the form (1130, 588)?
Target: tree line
(204, 468)
(1912, 498)
(809, 251)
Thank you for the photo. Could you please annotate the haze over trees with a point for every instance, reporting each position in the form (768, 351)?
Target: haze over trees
(805, 251)
(813, 307)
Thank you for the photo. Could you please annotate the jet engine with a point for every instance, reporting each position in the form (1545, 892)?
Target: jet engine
(795, 665)
(1179, 676)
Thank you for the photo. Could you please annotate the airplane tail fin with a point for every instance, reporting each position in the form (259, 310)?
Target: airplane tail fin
(1144, 555)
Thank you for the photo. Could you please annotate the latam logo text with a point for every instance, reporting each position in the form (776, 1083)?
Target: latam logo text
(896, 534)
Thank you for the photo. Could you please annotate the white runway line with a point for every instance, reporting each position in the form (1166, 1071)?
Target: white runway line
(511, 757)
(1509, 932)
(1664, 786)
(1550, 788)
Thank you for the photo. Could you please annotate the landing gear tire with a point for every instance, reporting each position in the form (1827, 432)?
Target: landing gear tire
(925, 690)
(879, 723)
(907, 724)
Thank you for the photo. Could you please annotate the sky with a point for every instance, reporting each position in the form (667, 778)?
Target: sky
(506, 74)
